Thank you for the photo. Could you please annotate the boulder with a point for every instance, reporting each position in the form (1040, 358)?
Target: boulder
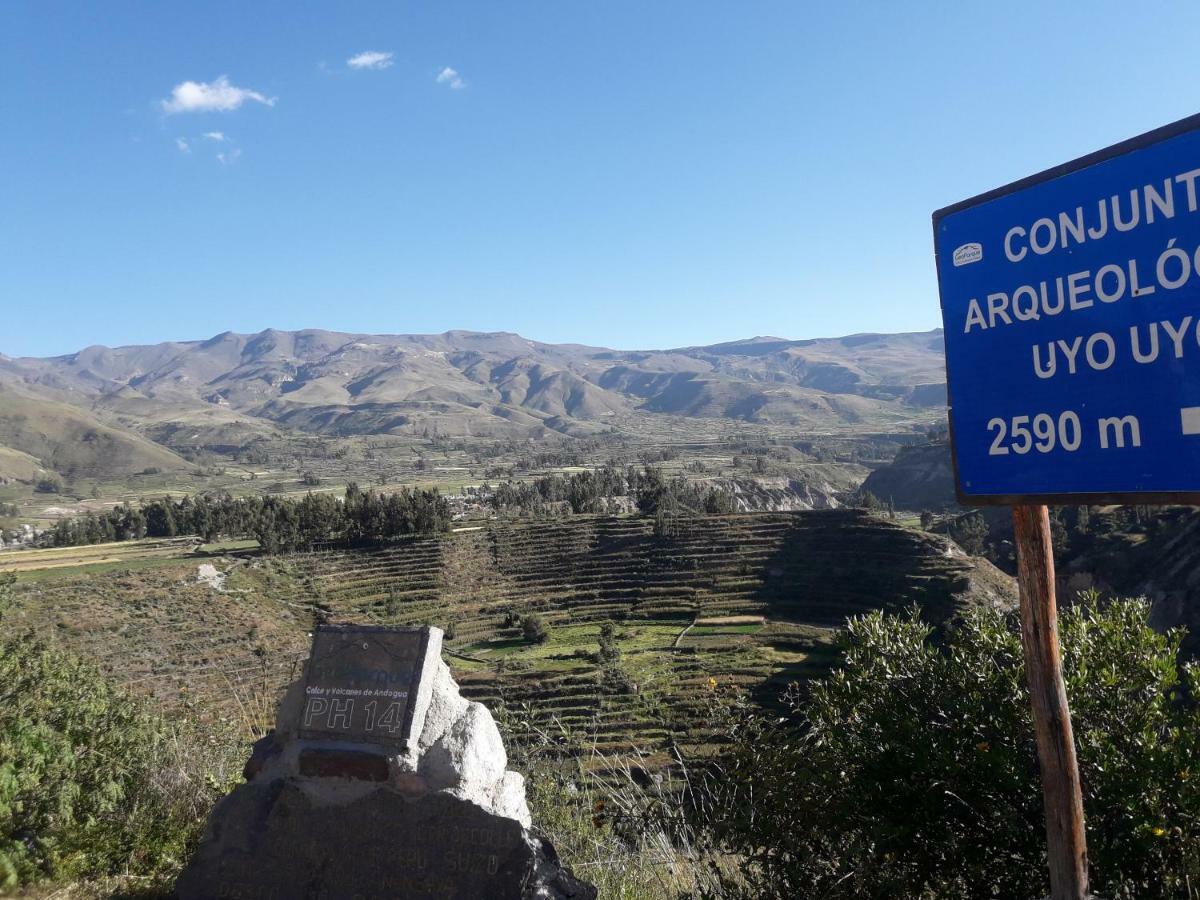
(441, 817)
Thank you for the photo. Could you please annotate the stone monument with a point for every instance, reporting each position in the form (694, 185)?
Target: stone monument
(379, 781)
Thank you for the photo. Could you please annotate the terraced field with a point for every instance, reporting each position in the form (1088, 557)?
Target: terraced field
(748, 600)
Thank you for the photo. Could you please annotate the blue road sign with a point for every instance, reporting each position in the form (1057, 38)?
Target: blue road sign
(1071, 306)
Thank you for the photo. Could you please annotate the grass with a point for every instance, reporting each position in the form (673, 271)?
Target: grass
(709, 630)
(97, 559)
(95, 569)
(218, 547)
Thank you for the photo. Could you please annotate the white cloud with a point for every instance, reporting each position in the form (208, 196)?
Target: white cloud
(370, 59)
(219, 96)
(215, 135)
(450, 77)
(182, 145)
(228, 159)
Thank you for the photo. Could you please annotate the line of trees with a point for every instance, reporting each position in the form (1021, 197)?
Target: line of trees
(592, 491)
(278, 523)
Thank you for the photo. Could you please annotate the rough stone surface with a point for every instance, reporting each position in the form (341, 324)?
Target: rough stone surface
(508, 798)
(209, 574)
(272, 840)
(470, 755)
(440, 818)
(446, 705)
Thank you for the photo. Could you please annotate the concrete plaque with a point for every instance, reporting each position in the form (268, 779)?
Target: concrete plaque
(365, 683)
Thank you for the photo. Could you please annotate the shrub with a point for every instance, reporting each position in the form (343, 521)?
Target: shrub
(913, 772)
(48, 484)
(91, 783)
(534, 629)
(665, 526)
(610, 651)
(970, 532)
(615, 680)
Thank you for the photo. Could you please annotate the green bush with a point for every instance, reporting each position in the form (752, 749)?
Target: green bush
(91, 783)
(610, 650)
(911, 771)
(534, 629)
(48, 484)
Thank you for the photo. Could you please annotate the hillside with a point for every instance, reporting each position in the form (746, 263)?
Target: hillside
(920, 477)
(18, 466)
(748, 599)
(237, 386)
(37, 431)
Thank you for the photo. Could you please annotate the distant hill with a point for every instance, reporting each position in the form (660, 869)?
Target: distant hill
(37, 432)
(234, 386)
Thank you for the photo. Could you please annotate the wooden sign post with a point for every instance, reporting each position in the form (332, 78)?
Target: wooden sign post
(1063, 801)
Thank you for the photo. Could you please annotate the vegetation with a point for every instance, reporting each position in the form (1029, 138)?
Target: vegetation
(608, 830)
(48, 484)
(93, 784)
(534, 630)
(610, 650)
(278, 523)
(912, 772)
(970, 532)
(138, 610)
(593, 491)
(909, 772)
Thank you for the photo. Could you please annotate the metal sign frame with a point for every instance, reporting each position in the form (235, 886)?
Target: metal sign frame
(1184, 498)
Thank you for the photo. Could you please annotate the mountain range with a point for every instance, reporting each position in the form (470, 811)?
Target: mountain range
(232, 388)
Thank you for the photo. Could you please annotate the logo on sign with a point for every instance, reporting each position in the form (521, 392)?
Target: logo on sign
(968, 253)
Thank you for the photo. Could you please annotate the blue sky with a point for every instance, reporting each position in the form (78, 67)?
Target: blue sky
(631, 174)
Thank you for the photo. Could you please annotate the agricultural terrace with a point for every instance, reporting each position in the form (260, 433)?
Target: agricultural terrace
(748, 600)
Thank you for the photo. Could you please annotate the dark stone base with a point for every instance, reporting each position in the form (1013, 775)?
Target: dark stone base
(269, 840)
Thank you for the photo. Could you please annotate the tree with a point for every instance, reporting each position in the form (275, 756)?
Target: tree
(911, 771)
(866, 500)
(279, 523)
(7, 580)
(534, 629)
(665, 525)
(654, 493)
(970, 532)
(719, 502)
(48, 484)
(610, 652)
